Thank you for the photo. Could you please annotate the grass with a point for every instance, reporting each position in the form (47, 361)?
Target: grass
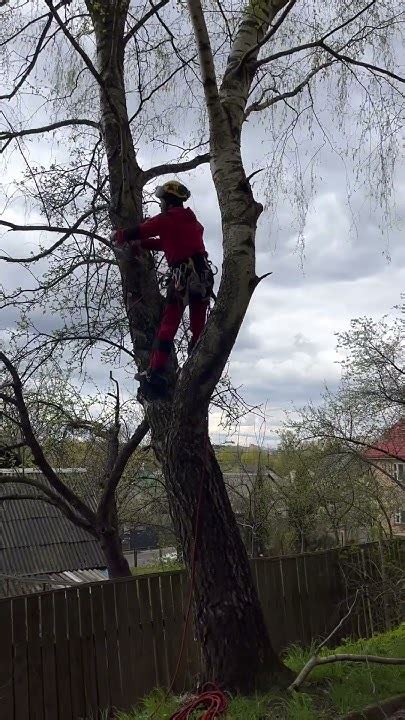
(352, 686)
(263, 707)
(332, 690)
(158, 567)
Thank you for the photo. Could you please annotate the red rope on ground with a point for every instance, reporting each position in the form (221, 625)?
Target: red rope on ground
(214, 701)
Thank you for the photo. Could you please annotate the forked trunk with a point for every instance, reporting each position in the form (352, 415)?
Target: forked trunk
(116, 562)
(229, 620)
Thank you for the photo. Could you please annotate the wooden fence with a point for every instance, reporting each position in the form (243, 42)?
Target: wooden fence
(81, 651)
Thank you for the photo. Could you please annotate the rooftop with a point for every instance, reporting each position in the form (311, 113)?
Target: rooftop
(391, 444)
(35, 537)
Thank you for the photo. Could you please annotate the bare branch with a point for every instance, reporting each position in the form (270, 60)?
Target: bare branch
(263, 105)
(50, 496)
(31, 64)
(340, 623)
(154, 9)
(74, 230)
(176, 167)
(117, 403)
(69, 514)
(369, 446)
(341, 657)
(75, 44)
(350, 20)
(93, 339)
(113, 432)
(120, 464)
(284, 53)
(12, 134)
(360, 63)
(316, 43)
(72, 422)
(24, 27)
(159, 86)
(263, 277)
(335, 53)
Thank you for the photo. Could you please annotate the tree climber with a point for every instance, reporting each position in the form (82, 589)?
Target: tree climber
(177, 232)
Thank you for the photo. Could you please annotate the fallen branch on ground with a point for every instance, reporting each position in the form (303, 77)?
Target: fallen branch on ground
(341, 657)
(316, 660)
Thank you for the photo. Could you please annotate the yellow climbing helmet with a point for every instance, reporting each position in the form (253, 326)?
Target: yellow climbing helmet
(173, 188)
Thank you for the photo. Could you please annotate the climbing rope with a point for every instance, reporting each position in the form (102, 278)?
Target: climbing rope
(214, 701)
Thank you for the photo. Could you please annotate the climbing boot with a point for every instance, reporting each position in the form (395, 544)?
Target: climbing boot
(152, 384)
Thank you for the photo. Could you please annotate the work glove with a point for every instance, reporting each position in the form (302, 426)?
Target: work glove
(126, 235)
(123, 248)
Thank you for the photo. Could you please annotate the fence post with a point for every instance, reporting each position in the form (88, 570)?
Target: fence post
(387, 623)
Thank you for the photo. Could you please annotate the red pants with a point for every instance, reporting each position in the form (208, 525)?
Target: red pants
(169, 325)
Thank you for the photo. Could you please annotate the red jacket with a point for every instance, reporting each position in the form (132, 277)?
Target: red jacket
(177, 232)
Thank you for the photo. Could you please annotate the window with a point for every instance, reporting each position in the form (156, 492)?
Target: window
(399, 517)
(399, 471)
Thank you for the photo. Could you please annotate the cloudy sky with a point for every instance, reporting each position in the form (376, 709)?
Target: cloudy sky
(347, 267)
(351, 263)
(286, 351)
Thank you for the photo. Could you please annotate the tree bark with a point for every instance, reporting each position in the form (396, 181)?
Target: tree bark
(228, 618)
(116, 562)
(225, 599)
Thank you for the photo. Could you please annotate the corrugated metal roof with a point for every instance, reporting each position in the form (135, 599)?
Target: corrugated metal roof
(11, 586)
(51, 558)
(36, 537)
(19, 471)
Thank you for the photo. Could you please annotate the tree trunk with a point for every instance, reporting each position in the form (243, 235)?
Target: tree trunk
(225, 599)
(229, 621)
(116, 562)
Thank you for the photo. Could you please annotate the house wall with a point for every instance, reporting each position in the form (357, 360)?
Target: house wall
(397, 503)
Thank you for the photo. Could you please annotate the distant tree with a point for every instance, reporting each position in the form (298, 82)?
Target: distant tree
(251, 497)
(371, 395)
(49, 417)
(325, 491)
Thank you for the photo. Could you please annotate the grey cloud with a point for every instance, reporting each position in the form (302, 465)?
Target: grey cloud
(303, 344)
(285, 395)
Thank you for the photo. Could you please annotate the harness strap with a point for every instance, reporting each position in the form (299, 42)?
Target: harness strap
(182, 278)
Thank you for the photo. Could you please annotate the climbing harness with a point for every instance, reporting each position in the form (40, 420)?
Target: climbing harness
(193, 282)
